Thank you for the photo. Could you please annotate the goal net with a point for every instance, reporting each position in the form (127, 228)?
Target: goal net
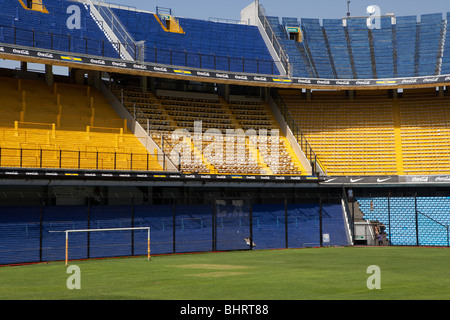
(103, 239)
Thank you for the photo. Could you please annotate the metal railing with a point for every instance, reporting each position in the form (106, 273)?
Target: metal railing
(164, 12)
(79, 159)
(158, 137)
(223, 20)
(162, 141)
(119, 30)
(426, 224)
(350, 218)
(114, 50)
(307, 149)
(284, 58)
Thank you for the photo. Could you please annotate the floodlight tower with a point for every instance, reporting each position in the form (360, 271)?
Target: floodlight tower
(348, 8)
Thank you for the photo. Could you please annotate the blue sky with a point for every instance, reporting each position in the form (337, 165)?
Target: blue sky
(230, 9)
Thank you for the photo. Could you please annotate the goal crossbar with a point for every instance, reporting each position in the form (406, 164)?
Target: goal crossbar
(107, 229)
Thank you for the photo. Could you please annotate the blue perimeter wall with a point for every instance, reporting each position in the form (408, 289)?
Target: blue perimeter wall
(25, 236)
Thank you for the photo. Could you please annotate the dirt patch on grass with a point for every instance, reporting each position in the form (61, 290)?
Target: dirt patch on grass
(219, 274)
(213, 266)
(223, 270)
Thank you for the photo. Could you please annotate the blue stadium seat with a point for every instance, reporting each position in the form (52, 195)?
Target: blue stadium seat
(295, 51)
(430, 38)
(406, 29)
(315, 41)
(446, 58)
(50, 30)
(338, 48)
(383, 47)
(404, 48)
(360, 46)
(205, 44)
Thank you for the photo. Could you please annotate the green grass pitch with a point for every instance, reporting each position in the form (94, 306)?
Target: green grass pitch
(291, 274)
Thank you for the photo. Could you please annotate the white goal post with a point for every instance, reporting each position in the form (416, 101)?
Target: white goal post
(108, 229)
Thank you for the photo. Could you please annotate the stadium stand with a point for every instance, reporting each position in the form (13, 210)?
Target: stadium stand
(347, 49)
(425, 133)
(49, 30)
(338, 48)
(298, 58)
(430, 42)
(406, 30)
(349, 137)
(374, 134)
(316, 42)
(445, 68)
(383, 49)
(358, 38)
(65, 126)
(401, 214)
(402, 47)
(202, 44)
(167, 111)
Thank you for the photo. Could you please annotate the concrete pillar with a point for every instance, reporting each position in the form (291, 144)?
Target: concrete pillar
(351, 94)
(97, 78)
(395, 94)
(308, 94)
(144, 84)
(77, 76)
(152, 85)
(49, 79)
(23, 66)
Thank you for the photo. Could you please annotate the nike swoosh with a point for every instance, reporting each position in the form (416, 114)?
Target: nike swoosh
(356, 180)
(330, 180)
(383, 180)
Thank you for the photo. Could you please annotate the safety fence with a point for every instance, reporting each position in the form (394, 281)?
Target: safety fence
(179, 224)
(410, 221)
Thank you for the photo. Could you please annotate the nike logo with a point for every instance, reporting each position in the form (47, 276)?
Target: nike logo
(383, 180)
(356, 180)
(329, 180)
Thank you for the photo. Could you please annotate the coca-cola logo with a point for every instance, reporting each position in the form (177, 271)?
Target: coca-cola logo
(442, 179)
(419, 179)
